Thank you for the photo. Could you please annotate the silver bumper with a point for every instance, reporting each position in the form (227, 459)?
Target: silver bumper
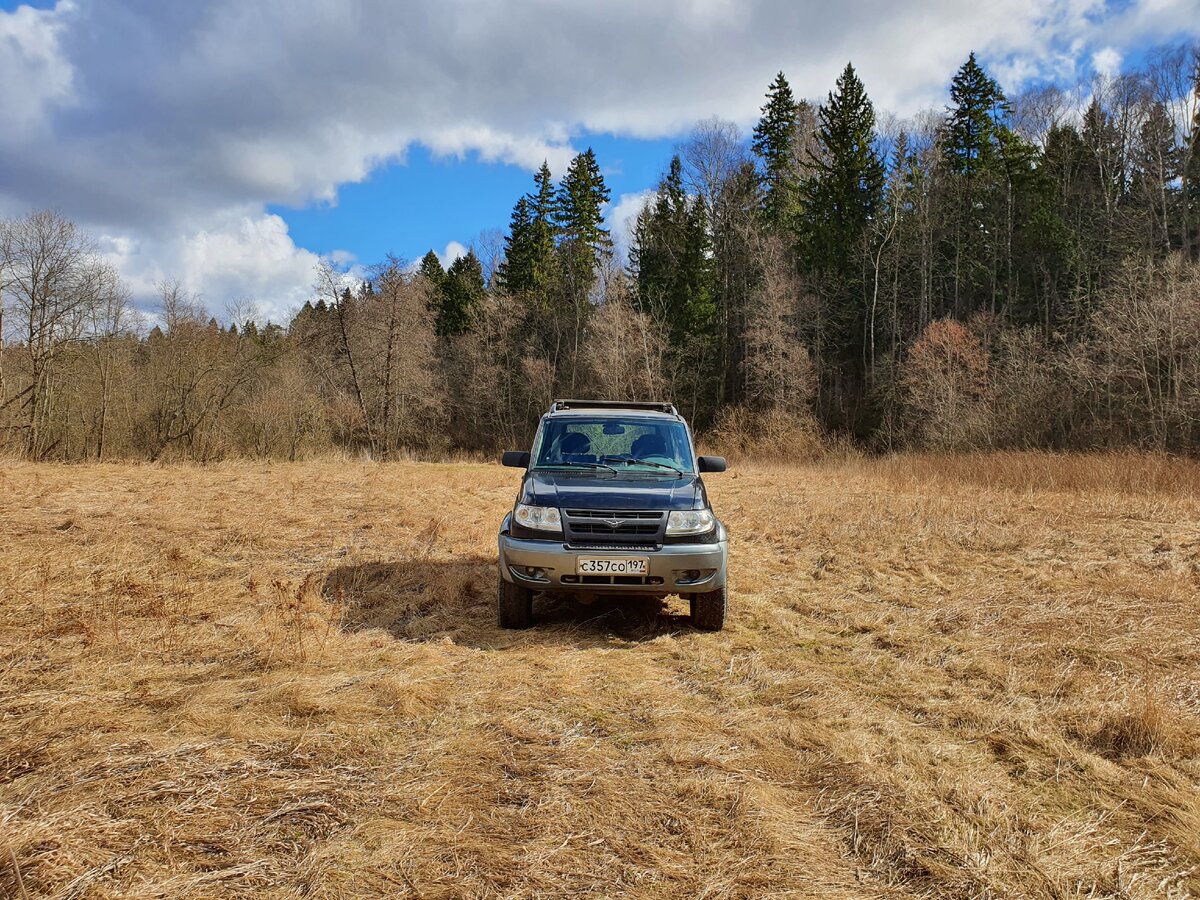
(673, 568)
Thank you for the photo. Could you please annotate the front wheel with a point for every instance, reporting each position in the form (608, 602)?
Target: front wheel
(515, 605)
(709, 608)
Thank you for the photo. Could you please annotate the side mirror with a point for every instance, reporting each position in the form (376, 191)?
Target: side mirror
(515, 459)
(711, 463)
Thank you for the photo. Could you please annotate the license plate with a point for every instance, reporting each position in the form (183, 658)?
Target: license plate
(612, 565)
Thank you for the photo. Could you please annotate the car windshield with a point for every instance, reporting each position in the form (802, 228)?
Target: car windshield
(638, 444)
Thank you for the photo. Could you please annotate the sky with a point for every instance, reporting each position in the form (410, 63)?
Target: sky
(231, 144)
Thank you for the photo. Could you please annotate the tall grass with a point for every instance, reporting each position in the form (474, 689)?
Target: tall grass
(943, 677)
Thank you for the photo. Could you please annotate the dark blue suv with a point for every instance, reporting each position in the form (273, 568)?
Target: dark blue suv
(612, 502)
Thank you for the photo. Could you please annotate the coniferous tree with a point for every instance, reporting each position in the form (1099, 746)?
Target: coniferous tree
(970, 212)
(431, 268)
(773, 143)
(1154, 168)
(515, 274)
(542, 234)
(671, 259)
(846, 189)
(578, 213)
(1190, 182)
(462, 296)
(672, 268)
(841, 199)
(969, 142)
(528, 269)
(737, 272)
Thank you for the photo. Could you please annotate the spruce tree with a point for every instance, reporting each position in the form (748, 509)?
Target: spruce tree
(528, 269)
(462, 296)
(840, 200)
(671, 259)
(578, 213)
(970, 134)
(773, 143)
(846, 188)
(543, 264)
(1155, 166)
(974, 194)
(515, 274)
(431, 268)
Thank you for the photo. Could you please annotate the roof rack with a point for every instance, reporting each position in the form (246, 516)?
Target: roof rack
(651, 405)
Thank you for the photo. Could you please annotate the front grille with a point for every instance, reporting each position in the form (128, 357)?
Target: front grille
(614, 514)
(607, 530)
(609, 527)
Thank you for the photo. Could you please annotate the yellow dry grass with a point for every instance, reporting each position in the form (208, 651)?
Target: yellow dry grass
(973, 677)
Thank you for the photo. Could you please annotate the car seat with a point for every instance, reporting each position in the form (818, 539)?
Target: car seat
(576, 447)
(649, 445)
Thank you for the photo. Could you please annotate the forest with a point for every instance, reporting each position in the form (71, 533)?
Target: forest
(1004, 272)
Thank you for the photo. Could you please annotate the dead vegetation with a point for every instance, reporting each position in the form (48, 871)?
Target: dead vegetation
(959, 677)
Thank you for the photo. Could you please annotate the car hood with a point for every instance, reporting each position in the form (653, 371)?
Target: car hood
(607, 490)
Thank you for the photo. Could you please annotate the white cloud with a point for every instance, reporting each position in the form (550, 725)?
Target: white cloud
(171, 127)
(452, 252)
(247, 257)
(622, 216)
(1107, 62)
(34, 74)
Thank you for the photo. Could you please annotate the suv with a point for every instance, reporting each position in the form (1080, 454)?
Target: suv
(612, 503)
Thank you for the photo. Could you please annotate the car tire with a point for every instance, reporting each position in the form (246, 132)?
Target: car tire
(515, 606)
(709, 608)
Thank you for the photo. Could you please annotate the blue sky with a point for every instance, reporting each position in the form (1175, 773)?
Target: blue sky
(425, 202)
(231, 144)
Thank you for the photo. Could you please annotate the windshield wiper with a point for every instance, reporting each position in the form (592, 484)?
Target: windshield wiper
(585, 465)
(644, 462)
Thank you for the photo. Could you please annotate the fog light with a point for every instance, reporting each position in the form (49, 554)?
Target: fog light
(535, 572)
(683, 576)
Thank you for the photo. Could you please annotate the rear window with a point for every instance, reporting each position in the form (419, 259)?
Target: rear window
(636, 444)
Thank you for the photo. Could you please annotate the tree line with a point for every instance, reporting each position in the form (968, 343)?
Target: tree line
(1005, 272)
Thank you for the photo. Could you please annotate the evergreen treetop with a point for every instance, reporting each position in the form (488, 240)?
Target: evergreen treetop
(431, 268)
(973, 121)
(847, 186)
(461, 296)
(773, 142)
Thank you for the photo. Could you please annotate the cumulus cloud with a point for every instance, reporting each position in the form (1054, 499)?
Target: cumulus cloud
(34, 74)
(452, 252)
(622, 216)
(234, 257)
(170, 128)
(1107, 62)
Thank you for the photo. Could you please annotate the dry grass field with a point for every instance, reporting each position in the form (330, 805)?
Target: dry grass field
(971, 677)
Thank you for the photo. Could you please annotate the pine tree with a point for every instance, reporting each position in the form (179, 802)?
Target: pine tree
(975, 200)
(846, 189)
(431, 269)
(579, 221)
(671, 259)
(773, 143)
(528, 268)
(841, 199)
(462, 296)
(969, 139)
(515, 274)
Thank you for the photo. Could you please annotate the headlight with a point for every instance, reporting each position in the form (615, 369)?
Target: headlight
(543, 518)
(690, 521)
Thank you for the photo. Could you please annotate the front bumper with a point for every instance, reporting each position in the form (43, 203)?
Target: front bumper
(674, 568)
